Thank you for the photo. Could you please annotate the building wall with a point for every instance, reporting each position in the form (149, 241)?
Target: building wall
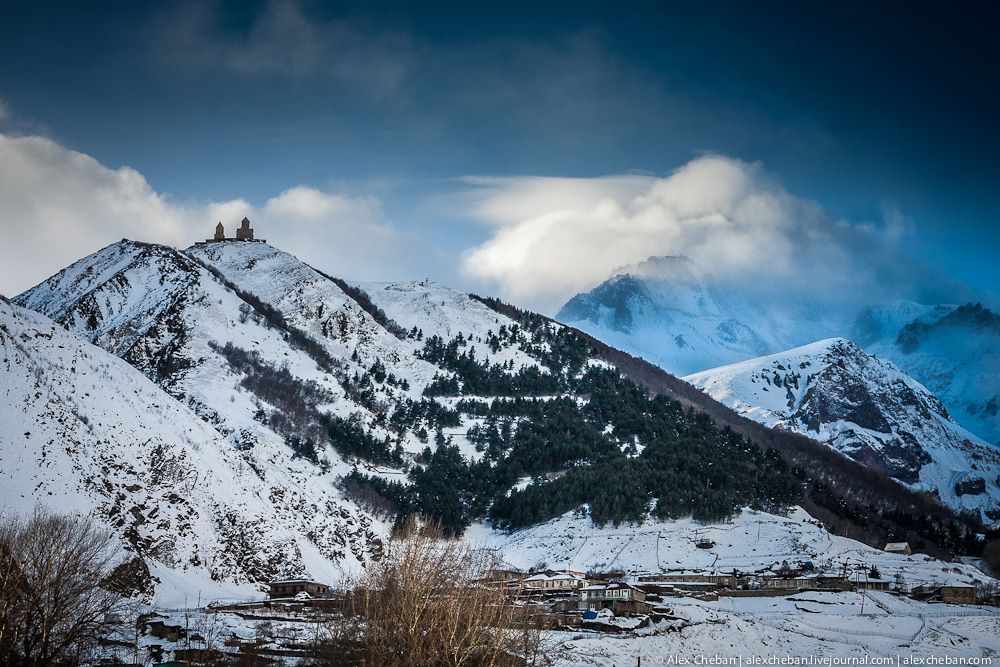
(958, 594)
(292, 588)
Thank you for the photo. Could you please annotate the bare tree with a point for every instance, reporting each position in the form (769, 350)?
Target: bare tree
(428, 603)
(53, 594)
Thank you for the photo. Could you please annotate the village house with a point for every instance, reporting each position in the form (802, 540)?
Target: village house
(788, 583)
(949, 594)
(556, 581)
(289, 588)
(697, 579)
(828, 582)
(503, 574)
(619, 596)
(871, 584)
(898, 548)
(500, 577)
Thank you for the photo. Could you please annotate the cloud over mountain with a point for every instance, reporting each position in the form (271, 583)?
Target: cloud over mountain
(59, 204)
(556, 237)
(548, 238)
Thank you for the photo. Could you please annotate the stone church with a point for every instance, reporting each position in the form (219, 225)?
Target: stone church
(243, 233)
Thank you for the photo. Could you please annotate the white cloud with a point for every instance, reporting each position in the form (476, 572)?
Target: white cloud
(506, 200)
(549, 238)
(56, 205)
(557, 237)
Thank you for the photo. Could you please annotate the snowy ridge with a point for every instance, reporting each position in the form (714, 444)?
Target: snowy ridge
(437, 310)
(314, 303)
(115, 295)
(175, 315)
(867, 409)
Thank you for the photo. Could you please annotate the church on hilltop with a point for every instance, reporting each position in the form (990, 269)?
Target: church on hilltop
(243, 233)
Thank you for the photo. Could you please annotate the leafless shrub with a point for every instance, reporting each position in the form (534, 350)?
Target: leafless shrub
(54, 596)
(426, 604)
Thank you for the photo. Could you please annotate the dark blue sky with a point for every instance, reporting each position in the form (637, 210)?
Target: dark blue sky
(858, 107)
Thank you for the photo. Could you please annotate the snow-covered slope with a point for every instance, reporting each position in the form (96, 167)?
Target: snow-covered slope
(667, 311)
(867, 409)
(314, 303)
(438, 310)
(806, 628)
(82, 429)
(170, 316)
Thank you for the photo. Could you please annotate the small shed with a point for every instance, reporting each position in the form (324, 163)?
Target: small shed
(898, 548)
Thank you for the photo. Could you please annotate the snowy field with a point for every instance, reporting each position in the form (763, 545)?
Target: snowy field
(806, 625)
(809, 625)
(752, 541)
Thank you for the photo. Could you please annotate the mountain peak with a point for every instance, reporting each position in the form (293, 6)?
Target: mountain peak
(661, 266)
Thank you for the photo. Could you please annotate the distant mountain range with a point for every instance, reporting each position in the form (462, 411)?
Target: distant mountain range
(671, 313)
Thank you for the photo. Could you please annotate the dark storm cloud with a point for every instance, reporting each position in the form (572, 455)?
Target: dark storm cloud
(281, 41)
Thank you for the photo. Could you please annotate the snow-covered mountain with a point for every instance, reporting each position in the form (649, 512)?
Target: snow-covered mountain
(171, 314)
(867, 409)
(673, 314)
(82, 429)
(256, 349)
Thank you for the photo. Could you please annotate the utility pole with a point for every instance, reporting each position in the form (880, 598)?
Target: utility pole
(858, 571)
